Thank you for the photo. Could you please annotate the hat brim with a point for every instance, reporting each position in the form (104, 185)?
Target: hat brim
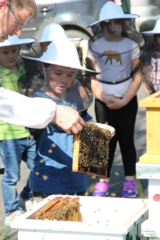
(59, 64)
(20, 42)
(114, 17)
(151, 32)
(36, 43)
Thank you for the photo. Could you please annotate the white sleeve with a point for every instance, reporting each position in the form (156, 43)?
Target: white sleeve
(24, 111)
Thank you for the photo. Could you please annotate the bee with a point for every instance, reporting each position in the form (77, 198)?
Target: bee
(116, 173)
(113, 194)
(45, 177)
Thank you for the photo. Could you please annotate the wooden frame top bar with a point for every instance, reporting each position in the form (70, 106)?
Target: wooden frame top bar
(151, 101)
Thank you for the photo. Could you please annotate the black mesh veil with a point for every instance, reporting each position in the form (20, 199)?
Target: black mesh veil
(23, 84)
(35, 81)
(117, 61)
(151, 66)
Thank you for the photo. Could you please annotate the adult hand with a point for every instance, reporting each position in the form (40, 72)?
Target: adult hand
(68, 119)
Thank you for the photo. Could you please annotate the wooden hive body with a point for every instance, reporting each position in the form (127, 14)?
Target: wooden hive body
(152, 104)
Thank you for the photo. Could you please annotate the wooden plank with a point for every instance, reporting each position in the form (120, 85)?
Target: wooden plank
(76, 147)
(94, 174)
(45, 208)
(147, 158)
(153, 131)
(151, 101)
(155, 95)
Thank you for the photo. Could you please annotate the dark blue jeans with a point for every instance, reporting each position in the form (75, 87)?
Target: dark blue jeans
(12, 153)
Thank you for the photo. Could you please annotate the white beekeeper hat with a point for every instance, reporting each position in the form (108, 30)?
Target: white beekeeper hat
(110, 11)
(51, 32)
(156, 29)
(61, 52)
(14, 40)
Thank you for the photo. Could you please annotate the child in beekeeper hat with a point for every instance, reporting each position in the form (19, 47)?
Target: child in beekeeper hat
(151, 62)
(52, 173)
(117, 58)
(51, 32)
(15, 141)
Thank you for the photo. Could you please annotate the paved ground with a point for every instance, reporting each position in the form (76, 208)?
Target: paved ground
(116, 183)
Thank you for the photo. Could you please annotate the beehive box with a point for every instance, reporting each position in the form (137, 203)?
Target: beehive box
(101, 219)
(152, 104)
(152, 173)
(90, 151)
(150, 230)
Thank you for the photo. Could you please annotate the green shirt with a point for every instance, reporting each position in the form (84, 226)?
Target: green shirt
(8, 80)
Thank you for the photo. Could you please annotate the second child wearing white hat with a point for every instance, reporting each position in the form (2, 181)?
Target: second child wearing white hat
(52, 173)
(151, 62)
(51, 32)
(15, 141)
(115, 56)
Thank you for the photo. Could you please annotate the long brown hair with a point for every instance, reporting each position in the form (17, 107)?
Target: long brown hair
(155, 42)
(122, 22)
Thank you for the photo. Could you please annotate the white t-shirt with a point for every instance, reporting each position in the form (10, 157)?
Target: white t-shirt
(115, 66)
(24, 111)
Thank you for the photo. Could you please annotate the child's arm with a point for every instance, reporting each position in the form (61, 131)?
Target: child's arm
(97, 91)
(131, 91)
(95, 88)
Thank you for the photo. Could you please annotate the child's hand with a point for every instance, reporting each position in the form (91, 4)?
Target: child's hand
(114, 102)
(107, 127)
(108, 101)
